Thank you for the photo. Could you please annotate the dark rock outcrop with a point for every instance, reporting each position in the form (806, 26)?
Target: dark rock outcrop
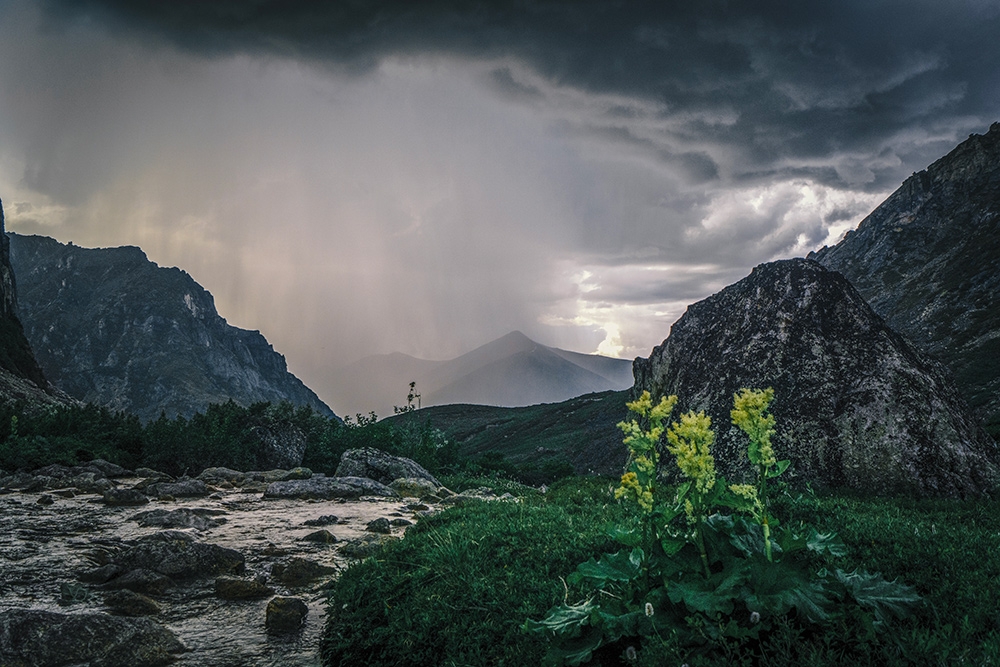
(285, 614)
(326, 488)
(928, 261)
(178, 555)
(36, 637)
(385, 468)
(21, 376)
(235, 588)
(197, 518)
(112, 328)
(856, 404)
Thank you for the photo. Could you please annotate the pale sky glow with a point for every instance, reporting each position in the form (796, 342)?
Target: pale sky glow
(432, 180)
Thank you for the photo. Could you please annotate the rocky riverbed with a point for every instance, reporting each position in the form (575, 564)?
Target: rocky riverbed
(205, 568)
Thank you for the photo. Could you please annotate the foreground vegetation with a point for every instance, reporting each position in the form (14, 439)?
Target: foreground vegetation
(459, 587)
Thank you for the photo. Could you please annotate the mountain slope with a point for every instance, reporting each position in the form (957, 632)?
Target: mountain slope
(112, 328)
(510, 371)
(928, 261)
(21, 378)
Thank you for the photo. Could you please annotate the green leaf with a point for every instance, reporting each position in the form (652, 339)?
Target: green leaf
(709, 596)
(883, 597)
(564, 620)
(630, 537)
(825, 543)
(776, 588)
(671, 545)
(575, 651)
(779, 468)
(620, 566)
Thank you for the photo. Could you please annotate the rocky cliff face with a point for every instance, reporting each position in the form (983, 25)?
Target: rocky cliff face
(21, 378)
(928, 261)
(856, 404)
(112, 328)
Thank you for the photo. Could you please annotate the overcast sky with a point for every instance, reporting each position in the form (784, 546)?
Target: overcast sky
(356, 177)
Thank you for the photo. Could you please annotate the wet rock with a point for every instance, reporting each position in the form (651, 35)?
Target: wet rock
(279, 445)
(400, 523)
(189, 488)
(215, 476)
(471, 495)
(325, 520)
(273, 550)
(856, 404)
(364, 546)
(414, 487)
(197, 518)
(100, 575)
(129, 603)
(141, 580)
(70, 592)
(89, 482)
(235, 588)
(151, 474)
(385, 468)
(178, 555)
(37, 637)
(285, 615)
(320, 537)
(45, 499)
(380, 525)
(299, 571)
(54, 470)
(110, 470)
(120, 497)
(417, 507)
(64, 493)
(326, 488)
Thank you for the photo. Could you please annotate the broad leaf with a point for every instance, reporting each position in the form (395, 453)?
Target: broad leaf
(564, 620)
(779, 467)
(882, 597)
(825, 543)
(621, 566)
(630, 537)
(575, 651)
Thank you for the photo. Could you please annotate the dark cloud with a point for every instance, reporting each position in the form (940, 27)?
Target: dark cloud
(804, 80)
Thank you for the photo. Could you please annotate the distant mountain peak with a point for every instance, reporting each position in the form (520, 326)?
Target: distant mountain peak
(510, 371)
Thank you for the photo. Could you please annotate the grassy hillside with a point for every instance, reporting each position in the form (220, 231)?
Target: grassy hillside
(580, 432)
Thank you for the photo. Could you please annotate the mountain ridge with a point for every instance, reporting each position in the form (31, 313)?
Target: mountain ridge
(113, 328)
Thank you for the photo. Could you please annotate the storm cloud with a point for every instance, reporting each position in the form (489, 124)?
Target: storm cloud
(362, 177)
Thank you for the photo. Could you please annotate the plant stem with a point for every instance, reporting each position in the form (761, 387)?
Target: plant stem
(701, 548)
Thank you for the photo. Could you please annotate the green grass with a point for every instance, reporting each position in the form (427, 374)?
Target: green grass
(457, 589)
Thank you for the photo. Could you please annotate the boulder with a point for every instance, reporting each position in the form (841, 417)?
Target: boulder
(235, 588)
(320, 537)
(299, 571)
(129, 603)
(856, 404)
(89, 482)
(216, 476)
(325, 520)
(124, 497)
(414, 487)
(380, 525)
(197, 518)
(188, 488)
(178, 555)
(279, 445)
(110, 470)
(138, 580)
(285, 615)
(149, 473)
(37, 637)
(365, 546)
(385, 468)
(326, 488)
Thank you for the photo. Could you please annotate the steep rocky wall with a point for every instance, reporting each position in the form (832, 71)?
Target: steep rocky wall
(857, 405)
(112, 328)
(928, 261)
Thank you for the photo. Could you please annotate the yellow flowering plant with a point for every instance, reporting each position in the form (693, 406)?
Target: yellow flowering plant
(701, 569)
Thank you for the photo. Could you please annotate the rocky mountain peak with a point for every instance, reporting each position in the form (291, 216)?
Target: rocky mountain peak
(857, 405)
(928, 261)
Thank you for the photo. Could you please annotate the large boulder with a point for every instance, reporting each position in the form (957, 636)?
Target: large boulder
(280, 445)
(186, 488)
(326, 488)
(178, 555)
(385, 468)
(37, 637)
(856, 404)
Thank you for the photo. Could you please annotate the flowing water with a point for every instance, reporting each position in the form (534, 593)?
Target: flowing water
(44, 546)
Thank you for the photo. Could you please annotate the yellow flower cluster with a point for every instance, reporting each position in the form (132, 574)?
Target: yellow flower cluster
(749, 414)
(748, 492)
(630, 488)
(690, 440)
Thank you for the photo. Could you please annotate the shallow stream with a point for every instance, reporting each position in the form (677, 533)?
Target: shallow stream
(44, 546)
